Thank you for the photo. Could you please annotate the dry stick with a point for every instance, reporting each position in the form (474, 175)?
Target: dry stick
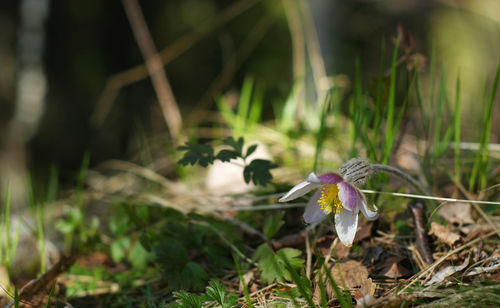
(38, 285)
(154, 66)
(416, 209)
(298, 53)
(297, 36)
(314, 50)
(139, 72)
(435, 264)
(308, 258)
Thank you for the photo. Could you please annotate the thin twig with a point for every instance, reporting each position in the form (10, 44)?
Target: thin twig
(184, 43)
(154, 66)
(37, 285)
(416, 209)
(308, 258)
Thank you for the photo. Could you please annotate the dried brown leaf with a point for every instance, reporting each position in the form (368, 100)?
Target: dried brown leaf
(351, 275)
(4, 281)
(459, 213)
(392, 267)
(446, 272)
(443, 234)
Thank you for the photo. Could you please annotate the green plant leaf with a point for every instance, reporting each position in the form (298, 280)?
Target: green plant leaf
(258, 171)
(138, 256)
(272, 224)
(186, 300)
(226, 155)
(237, 145)
(196, 153)
(119, 248)
(216, 292)
(250, 150)
(273, 265)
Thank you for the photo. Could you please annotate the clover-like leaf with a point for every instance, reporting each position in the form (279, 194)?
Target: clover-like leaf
(258, 171)
(203, 154)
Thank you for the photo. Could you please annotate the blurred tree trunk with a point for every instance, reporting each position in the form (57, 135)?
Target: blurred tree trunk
(21, 111)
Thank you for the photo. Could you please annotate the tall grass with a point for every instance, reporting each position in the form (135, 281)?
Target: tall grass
(248, 111)
(457, 122)
(390, 129)
(480, 163)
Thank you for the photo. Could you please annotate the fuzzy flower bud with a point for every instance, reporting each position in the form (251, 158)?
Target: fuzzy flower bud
(356, 171)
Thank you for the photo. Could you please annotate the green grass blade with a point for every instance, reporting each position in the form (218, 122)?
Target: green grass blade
(378, 100)
(356, 108)
(487, 129)
(320, 135)
(226, 111)
(255, 109)
(242, 281)
(391, 101)
(457, 124)
(53, 185)
(41, 237)
(436, 140)
(289, 113)
(421, 109)
(323, 295)
(344, 303)
(244, 105)
(15, 240)
(301, 286)
(405, 103)
(82, 174)
(480, 163)
(16, 297)
(7, 227)
(50, 295)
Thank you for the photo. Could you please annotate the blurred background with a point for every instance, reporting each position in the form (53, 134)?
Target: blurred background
(73, 79)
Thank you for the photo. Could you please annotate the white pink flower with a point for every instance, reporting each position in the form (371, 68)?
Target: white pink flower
(337, 196)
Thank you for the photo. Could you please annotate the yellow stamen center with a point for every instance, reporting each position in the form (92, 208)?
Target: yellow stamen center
(329, 200)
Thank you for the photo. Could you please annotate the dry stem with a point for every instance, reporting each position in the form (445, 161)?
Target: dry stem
(154, 66)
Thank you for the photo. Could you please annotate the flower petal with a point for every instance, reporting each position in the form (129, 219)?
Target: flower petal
(313, 212)
(299, 190)
(330, 178)
(370, 215)
(313, 178)
(346, 224)
(349, 196)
